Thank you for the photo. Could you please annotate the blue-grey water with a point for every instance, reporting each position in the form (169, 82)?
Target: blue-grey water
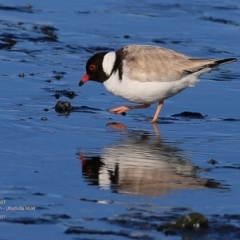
(94, 175)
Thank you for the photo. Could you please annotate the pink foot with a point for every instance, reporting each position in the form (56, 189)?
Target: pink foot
(119, 110)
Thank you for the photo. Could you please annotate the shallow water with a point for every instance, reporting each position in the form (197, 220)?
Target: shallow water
(94, 175)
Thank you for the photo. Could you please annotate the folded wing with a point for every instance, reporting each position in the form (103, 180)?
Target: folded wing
(151, 63)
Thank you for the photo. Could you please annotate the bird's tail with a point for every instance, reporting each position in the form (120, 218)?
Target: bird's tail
(204, 66)
(207, 63)
(221, 62)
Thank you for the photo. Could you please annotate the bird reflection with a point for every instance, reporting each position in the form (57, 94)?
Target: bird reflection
(141, 164)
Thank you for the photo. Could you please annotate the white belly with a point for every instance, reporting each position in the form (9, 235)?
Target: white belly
(146, 92)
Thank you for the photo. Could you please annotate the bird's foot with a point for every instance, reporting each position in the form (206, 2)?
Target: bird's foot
(119, 110)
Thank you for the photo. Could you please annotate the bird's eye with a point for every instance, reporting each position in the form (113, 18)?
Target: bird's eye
(92, 67)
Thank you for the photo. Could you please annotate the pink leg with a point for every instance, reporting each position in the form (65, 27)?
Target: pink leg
(122, 109)
(159, 107)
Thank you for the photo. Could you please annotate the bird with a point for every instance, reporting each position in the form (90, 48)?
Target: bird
(147, 74)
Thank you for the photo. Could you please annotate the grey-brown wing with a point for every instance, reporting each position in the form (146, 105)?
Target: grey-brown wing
(150, 63)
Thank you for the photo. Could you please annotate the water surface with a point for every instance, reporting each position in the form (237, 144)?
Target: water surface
(94, 175)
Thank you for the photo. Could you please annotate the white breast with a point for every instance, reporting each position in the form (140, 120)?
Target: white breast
(148, 92)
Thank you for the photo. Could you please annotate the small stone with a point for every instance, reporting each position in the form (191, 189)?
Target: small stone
(38, 194)
(211, 183)
(212, 161)
(21, 75)
(28, 6)
(187, 114)
(193, 220)
(71, 94)
(58, 77)
(44, 119)
(63, 107)
(57, 95)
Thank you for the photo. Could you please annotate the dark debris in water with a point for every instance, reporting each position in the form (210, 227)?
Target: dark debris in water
(217, 50)
(236, 167)
(57, 216)
(193, 220)
(24, 31)
(212, 161)
(191, 226)
(45, 219)
(58, 77)
(159, 40)
(71, 94)
(145, 222)
(63, 107)
(220, 20)
(57, 95)
(44, 119)
(86, 109)
(95, 49)
(83, 12)
(39, 194)
(8, 43)
(27, 8)
(231, 119)
(192, 115)
(128, 234)
(33, 32)
(227, 7)
(211, 183)
(21, 75)
(49, 31)
(96, 201)
(56, 72)
(66, 93)
(184, 42)
(29, 220)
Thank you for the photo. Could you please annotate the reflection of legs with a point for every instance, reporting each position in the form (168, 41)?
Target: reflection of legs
(122, 109)
(159, 107)
(156, 130)
(117, 125)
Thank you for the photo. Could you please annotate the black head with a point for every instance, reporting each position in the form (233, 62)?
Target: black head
(94, 69)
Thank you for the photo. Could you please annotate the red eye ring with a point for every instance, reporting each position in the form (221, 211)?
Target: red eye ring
(92, 67)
